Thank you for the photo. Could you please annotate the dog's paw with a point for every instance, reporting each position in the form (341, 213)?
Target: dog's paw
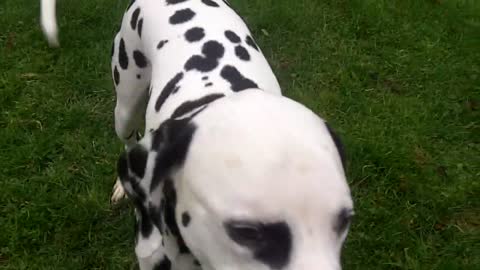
(118, 192)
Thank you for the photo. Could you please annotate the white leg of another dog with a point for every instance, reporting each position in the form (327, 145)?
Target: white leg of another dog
(118, 192)
(49, 22)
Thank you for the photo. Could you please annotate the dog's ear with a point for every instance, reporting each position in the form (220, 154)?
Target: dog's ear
(338, 143)
(171, 142)
(122, 167)
(137, 160)
(131, 167)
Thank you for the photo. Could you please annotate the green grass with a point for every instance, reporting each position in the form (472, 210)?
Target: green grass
(399, 79)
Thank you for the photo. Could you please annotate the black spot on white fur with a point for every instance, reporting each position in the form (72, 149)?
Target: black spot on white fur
(190, 106)
(162, 43)
(234, 38)
(164, 264)
(140, 27)
(204, 78)
(251, 42)
(116, 75)
(134, 19)
(270, 243)
(186, 219)
(167, 90)
(208, 84)
(242, 53)
(201, 64)
(182, 16)
(194, 34)
(122, 55)
(237, 81)
(212, 51)
(210, 3)
(140, 59)
(172, 2)
(170, 195)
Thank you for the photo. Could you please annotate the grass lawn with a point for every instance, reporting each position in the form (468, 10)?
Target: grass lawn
(399, 79)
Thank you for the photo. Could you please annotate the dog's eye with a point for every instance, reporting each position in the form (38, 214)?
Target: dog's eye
(271, 243)
(343, 221)
(245, 233)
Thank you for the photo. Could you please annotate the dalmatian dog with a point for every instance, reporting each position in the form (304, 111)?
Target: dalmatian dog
(229, 174)
(48, 21)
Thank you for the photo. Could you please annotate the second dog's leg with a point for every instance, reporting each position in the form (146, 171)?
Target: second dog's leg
(48, 19)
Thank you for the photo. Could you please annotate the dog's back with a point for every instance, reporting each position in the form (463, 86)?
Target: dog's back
(200, 47)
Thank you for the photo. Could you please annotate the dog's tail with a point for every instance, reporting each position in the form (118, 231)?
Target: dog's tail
(49, 22)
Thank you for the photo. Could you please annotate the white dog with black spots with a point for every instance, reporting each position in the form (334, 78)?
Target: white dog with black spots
(230, 174)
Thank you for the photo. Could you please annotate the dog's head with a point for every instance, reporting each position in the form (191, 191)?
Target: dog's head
(259, 184)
